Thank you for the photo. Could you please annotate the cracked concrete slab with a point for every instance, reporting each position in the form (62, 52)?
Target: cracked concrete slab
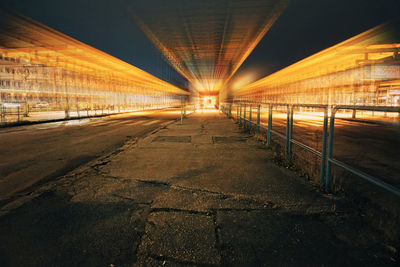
(187, 199)
(275, 238)
(180, 237)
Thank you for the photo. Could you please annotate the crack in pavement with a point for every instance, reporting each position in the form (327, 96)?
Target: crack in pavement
(153, 210)
(132, 200)
(164, 259)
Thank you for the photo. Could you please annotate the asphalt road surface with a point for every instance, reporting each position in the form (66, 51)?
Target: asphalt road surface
(34, 154)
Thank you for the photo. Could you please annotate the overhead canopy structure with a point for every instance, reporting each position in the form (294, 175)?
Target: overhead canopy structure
(207, 41)
(31, 42)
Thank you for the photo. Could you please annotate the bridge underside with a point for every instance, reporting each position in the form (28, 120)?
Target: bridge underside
(207, 41)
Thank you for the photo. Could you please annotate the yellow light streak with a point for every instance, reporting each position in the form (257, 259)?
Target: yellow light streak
(41, 65)
(207, 41)
(39, 44)
(354, 72)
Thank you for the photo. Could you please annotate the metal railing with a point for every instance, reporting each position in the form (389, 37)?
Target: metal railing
(326, 153)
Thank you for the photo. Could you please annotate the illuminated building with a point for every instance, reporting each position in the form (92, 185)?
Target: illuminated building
(363, 70)
(41, 67)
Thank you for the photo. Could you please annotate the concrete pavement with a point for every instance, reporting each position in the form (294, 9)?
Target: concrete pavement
(198, 194)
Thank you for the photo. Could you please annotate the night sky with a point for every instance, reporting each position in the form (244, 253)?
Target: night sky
(305, 27)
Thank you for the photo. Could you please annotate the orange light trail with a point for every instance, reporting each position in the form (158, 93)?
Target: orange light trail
(39, 63)
(207, 41)
(363, 70)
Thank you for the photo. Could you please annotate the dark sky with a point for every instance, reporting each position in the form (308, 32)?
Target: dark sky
(305, 27)
(309, 26)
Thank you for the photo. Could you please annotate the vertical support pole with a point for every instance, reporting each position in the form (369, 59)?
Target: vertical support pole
(26, 109)
(250, 115)
(67, 111)
(18, 112)
(240, 115)
(237, 113)
(291, 130)
(269, 125)
(244, 116)
(287, 130)
(330, 152)
(323, 150)
(258, 119)
(181, 111)
(230, 111)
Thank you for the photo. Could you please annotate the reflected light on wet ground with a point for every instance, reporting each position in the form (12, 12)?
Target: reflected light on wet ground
(216, 111)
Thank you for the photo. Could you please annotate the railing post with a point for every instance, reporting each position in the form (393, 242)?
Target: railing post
(290, 130)
(18, 112)
(230, 111)
(26, 109)
(323, 150)
(258, 119)
(330, 152)
(240, 114)
(244, 116)
(250, 115)
(269, 125)
(287, 130)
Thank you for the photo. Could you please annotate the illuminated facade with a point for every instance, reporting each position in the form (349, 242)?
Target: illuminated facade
(364, 70)
(40, 67)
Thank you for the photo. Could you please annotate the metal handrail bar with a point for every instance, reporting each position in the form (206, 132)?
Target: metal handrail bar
(368, 108)
(278, 134)
(367, 177)
(326, 156)
(353, 170)
(349, 107)
(315, 152)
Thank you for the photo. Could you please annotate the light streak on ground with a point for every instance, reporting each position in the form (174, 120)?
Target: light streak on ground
(208, 111)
